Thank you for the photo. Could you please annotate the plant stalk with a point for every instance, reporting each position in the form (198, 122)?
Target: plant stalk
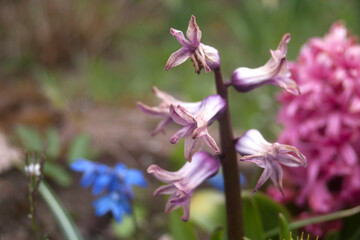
(229, 164)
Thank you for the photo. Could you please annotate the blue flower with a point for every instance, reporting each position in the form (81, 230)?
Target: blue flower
(102, 177)
(91, 171)
(116, 182)
(112, 202)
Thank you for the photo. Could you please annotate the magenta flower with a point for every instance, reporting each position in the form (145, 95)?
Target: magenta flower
(201, 55)
(324, 122)
(182, 183)
(195, 124)
(163, 109)
(268, 156)
(274, 72)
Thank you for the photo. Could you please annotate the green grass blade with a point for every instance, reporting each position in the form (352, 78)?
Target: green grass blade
(66, 224)
(318, 219)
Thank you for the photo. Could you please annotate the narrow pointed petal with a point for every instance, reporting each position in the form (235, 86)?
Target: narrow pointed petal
(186, 210)
(177, 58)
(274, 72)
(180, 37)
(193, 32)
(180, 115)
(166, 189)
(187, 130)
(252, 142)
(161, 126)
(153, 111)
(263, 178)
(191, 147)
(277, 176)
(163, 175)
(210, 142)
(169, 207)
(289, 156)
(185, 181)
(257, 159)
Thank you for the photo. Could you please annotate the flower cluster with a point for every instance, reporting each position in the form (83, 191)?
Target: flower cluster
(196, 117)
(324, 123)
(116, 182)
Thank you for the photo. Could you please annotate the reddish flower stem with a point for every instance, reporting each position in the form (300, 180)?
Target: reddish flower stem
(228, 159)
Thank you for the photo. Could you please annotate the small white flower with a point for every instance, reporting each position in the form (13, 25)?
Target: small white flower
(33, 169)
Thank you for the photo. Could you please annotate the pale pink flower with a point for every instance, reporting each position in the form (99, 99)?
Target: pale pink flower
(201, 55)
(163, 109)
(268, 156)
(195, 124)
(274, 72)
(324, 122)
(182, 183)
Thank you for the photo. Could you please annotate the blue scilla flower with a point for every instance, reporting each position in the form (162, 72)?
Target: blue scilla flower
(91, 171)
(116, 182)
(217, 181)
(112, 202)
(102, 177)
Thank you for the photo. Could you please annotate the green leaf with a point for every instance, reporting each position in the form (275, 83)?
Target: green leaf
(252, 221)
(66, 224)
(57, 173)
(53, 143)
(217, 234)
(179, 229)
(284, 230)
(79, 148)
(269, 210)
(125, 229)
(208, 209)
(30, 138)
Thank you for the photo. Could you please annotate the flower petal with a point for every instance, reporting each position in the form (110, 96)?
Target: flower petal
(181, 38)
(166, 189)
(259, 160)
(289, 156)
(193, 32)
(211, 109)
(212, 56)
(203, 166)
(277, 176)
(161, 126)
(274, 72)
(163, 175)
(252, 142)
(187, 130)
(264, 177)
(180, 115)
(177, 58)
(191, 147)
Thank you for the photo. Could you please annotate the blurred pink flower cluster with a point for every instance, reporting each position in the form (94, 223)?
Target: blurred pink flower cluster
(324, 122)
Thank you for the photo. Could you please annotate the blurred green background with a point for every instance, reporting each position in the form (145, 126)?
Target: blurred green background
(112, 52)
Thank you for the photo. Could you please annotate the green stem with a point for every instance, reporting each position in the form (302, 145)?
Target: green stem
(229, 164)
(318, 219)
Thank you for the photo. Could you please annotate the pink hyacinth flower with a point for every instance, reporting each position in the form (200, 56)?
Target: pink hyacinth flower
(195, 124)
(201, 55)
(182, 183)
(274, 72)
(162, 110)
(324, 122)
(268, 156)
